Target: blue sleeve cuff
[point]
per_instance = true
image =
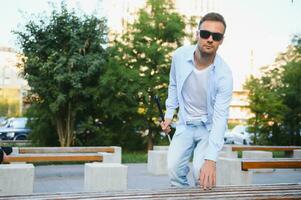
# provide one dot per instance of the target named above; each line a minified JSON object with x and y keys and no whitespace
{"x":169,"y":114}
{"x":212,"y":153}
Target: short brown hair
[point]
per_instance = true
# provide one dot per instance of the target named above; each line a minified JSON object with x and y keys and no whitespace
{"x":213,"y":17}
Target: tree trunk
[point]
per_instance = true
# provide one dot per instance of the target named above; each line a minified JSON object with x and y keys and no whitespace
{"x":65,"y":127}
{"x":150,"y":136}
{"x":256,"y":129}
{"x":150,"y":142}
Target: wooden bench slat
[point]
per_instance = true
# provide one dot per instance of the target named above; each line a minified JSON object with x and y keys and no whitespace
{"x":264,"y":148}
{"x":53,"y":157}
{"x":289,"y":191}
{"x":24,"y":150}
{"x":272,"y":163}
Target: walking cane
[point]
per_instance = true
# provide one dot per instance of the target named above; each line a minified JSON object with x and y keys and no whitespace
{"x":157,"y":100}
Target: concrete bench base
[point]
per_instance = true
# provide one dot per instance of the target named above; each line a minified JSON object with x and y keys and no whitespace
{"x":297,"y":153}
{"x":157,"y":162}
{"x":258,"y":155}
{"x":112,"y":157}
{"x":228,"y":172}
{"x":161,"y":148}
{"x":16,"y":179}
{"x":105,"y":177}
{"x":227,"y":154}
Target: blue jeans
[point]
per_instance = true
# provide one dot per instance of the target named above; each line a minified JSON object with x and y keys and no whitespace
{"x":188,"y":139}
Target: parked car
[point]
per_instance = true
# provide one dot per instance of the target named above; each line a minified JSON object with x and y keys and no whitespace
{"x":238,"y":135}
{"x":229,"y":138}
{"x":14,"y":129}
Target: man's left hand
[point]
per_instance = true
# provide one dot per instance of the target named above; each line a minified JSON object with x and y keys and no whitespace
{"x":207,"y":177}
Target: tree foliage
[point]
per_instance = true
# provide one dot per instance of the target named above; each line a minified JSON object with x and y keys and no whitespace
{"x":139,"y":68}
{"x":275,"y":100}
{"x":64,"y":59}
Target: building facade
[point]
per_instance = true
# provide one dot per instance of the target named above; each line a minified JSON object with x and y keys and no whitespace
{"x":12,"y":86}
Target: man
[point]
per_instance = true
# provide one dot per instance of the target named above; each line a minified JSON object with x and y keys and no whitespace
{"x":201,"y":87}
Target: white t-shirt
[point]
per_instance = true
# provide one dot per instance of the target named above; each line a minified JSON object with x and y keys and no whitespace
{"x":195,"y":93}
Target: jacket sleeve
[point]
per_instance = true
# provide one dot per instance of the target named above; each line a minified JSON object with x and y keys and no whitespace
{"x":172,"y":99}
{"x":220,"y":116}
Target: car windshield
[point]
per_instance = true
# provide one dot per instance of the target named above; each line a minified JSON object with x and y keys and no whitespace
{"x":239,"y":129}
{"x":16,"y":123}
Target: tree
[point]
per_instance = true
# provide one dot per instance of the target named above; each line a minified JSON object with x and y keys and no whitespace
{"x":291,"y":89}
{"x":275,"y":99}
{"x":266,"y":104}
{"x":64,"y":59}
{"x":141,"y":61}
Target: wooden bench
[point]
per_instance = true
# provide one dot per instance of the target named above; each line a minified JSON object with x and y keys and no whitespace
{"x":62,"y":157}
{"x":66,"y":154}
{"x":288,"y":150}
{"x":235,"y":171}
{"x":278,"y":163}
{"x":279,"y":191}
{"x":263,"y":148}
{"x":32,"y":150}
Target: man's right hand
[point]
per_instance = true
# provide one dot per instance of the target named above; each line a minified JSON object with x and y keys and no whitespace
{"x":165,"y":125}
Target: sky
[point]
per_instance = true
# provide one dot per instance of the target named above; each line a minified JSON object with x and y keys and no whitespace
{"x":257,"y":30}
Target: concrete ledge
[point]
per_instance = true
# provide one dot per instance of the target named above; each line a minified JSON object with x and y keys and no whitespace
{"x":227,"y":148}
{"x":157,"y":162}
{"x":112,"y":157}
{"x":258,"y":155}
{"x":228,"y":172}
{"x":16,"y":179}
{"x":227,"y":154}
{"x":161,"y":148}
{"x":117,"y":154}
{"x":297,"y":153}
{"x":105,"y":177}
{"x":15,"y":151}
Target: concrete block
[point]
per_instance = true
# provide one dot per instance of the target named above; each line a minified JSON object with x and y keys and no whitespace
{"x":297,"y":153}
{"x":228,"y":154}
{"x":112,"y":157}
{"x":227,"y":148}
{"x":15,"y":151}
{"x":16,"y":179}
{"x":157,"y":162}
{"x":117,"y":154}
{"x":105,"y":177}
{"x":228,"y":172}
{"x":258,"y":155}
{"x":161,"y":148}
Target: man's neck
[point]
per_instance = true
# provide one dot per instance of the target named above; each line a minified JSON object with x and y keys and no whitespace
{"x":203,"y":60}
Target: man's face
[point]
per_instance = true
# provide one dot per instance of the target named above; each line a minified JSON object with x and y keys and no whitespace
{"x":210,"y":36}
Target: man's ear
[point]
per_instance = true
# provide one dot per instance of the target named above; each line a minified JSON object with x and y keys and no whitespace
{"x":197,"y":35}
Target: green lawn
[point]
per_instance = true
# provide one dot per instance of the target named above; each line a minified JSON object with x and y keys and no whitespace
{"x":134,"y":157}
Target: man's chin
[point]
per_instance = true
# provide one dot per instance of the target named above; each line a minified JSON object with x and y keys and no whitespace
{"x":208,"y":53}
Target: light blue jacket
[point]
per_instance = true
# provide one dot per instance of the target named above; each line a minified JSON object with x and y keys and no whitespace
{"x":219,"y":94}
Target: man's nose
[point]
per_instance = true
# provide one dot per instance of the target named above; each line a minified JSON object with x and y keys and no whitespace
{"x":210,"y":39}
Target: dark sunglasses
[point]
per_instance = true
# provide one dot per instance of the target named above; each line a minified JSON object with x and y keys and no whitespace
{"x":215,"y":36}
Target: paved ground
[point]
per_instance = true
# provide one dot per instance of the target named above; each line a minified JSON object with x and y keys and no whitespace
{"x":69,"y":178}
